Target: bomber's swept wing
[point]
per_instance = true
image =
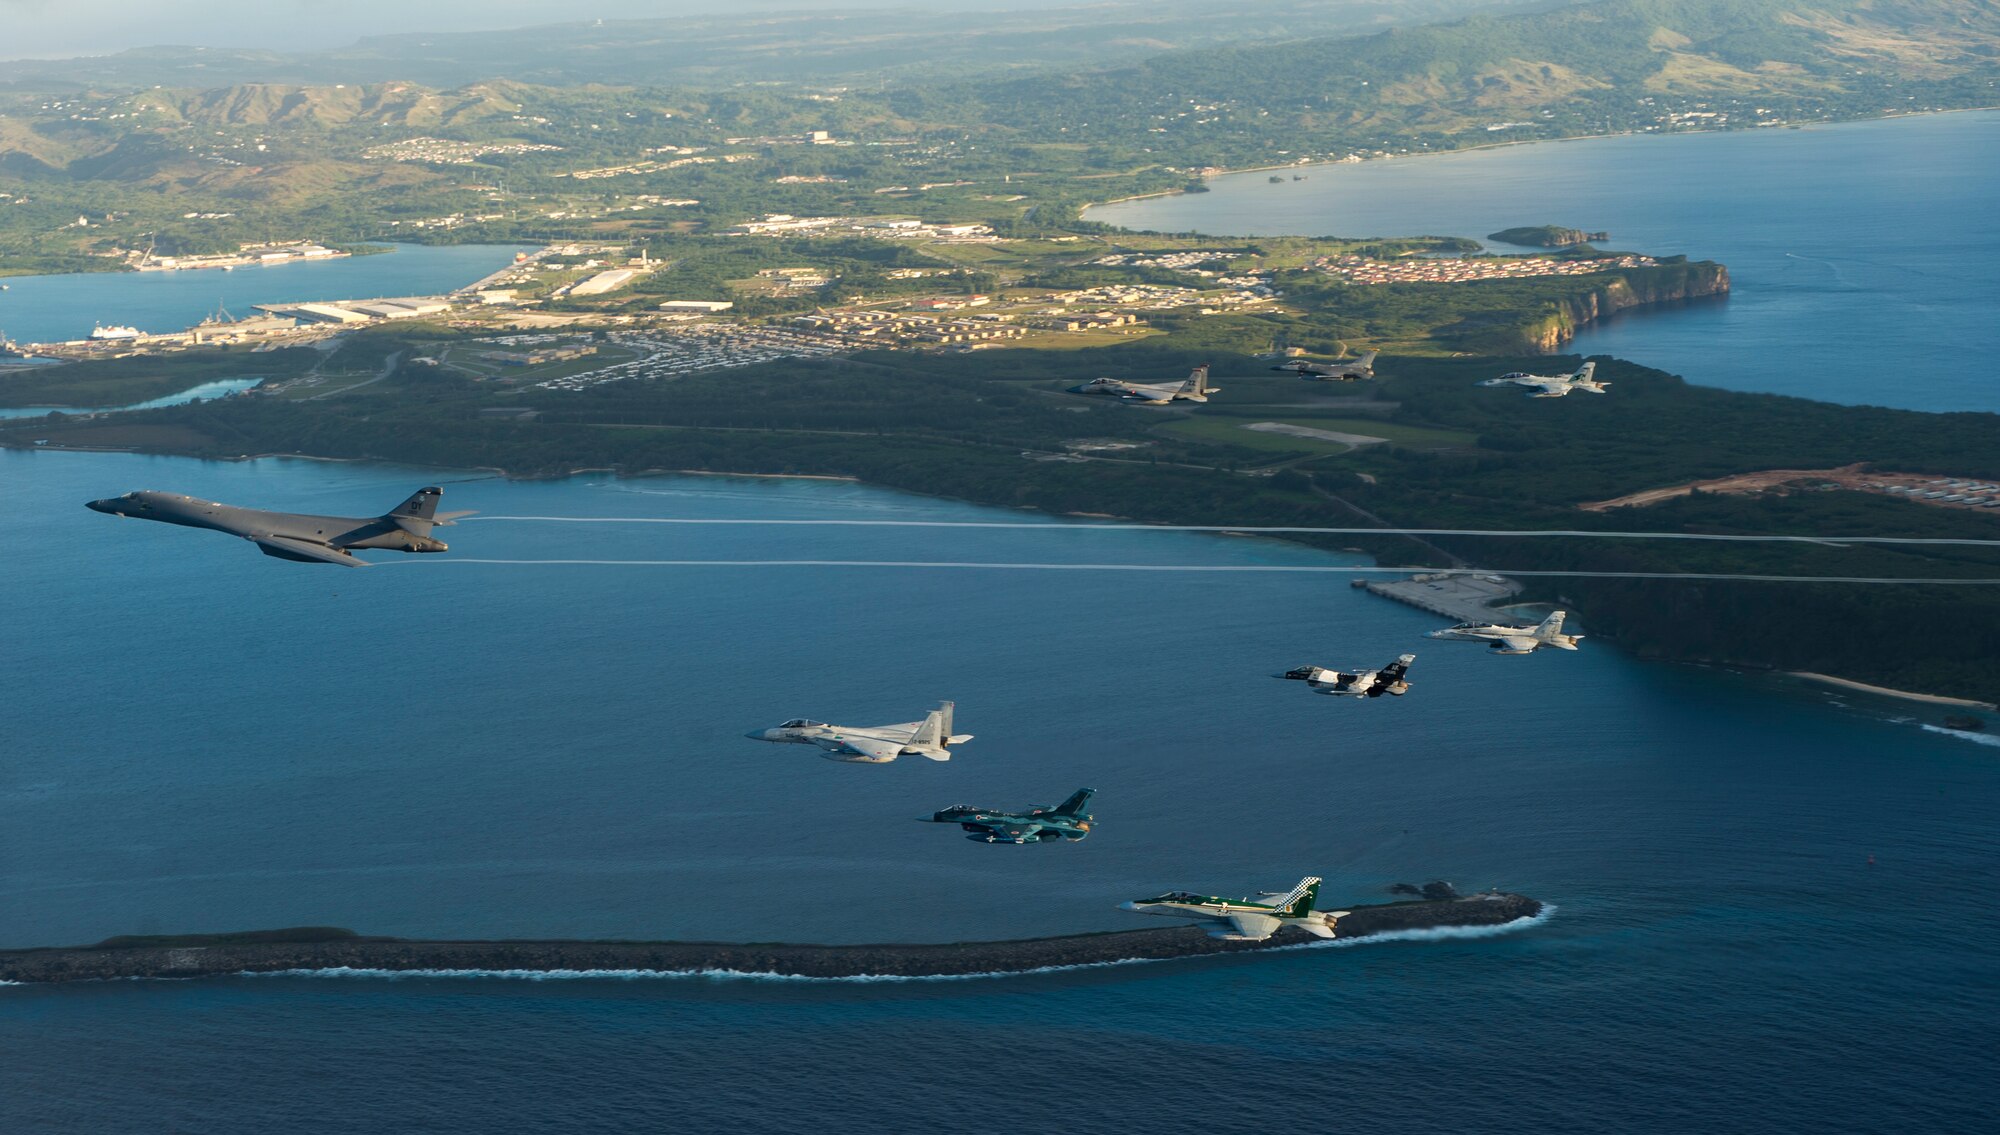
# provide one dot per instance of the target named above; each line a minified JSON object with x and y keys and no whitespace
{"x":872,"y":747}
{"x":302,"y":551}
{"x":1248,"y":925}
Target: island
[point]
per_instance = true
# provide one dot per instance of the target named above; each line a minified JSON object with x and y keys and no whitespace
{"x":1546,"y":236}
{"x":329,"y":948}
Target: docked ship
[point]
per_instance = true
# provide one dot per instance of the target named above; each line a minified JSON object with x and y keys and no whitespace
{"x":102,"y":332}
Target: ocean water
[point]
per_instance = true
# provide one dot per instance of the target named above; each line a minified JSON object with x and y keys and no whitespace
{"x":48,"y":309}
{"x":1865,"y":257}
{"x":1773,"y":903}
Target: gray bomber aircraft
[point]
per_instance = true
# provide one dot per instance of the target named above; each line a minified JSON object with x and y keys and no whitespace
{"x":1040,"y":824}
{"x":295,"y":535}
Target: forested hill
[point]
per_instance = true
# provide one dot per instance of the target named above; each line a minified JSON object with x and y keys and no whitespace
{"x":1622,"y":64}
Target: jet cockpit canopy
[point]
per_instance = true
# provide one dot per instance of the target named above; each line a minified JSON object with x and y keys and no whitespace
{"x":801,"y":723}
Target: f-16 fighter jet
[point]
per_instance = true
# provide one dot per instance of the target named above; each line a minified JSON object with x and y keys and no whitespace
{"x":1553,"y":385}
{"x":294,"y":535}
{"x":1194,"y":388}
{"x":1363,"y":367}
{"x":1366,"y":684}
{"x":1507,"y":639}
{"x":1040,"y":824}
{"x":877,"y":744}
{"x":1246,"y":920}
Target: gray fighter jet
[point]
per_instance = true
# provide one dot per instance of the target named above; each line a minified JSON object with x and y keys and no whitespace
{"x":1363,"y":367}
{"x":297,"y":536}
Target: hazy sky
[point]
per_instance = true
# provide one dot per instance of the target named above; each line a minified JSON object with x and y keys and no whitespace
{"x":57,"y":29}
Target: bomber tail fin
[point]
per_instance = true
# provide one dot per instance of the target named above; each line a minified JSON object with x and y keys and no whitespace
{"x":1078,"y":801}
{"x":417,"y":514}
{"x":1299,"y":902}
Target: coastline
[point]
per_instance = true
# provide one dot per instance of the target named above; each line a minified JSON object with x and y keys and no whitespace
{"x":1084,"y":212}
{"x":1884,"y":691}
{"x":325,"y":949}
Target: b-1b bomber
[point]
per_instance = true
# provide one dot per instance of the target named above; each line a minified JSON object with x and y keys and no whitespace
{"x":297,"y":536}
{"x":1389,"y":679}
{"x":1039,"y":824}
{"x":875,"y":744}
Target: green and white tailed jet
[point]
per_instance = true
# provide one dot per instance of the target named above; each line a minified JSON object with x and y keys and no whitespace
{"x":1246,"y":920}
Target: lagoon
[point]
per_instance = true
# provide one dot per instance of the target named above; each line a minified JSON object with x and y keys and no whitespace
{"x":47,"y":309}
{"x":1865,"y":256}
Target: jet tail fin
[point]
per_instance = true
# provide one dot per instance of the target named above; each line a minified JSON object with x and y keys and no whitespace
{"x":1366,"y":362}
{"x":1299,"y":902}
{"x":417,"y":514}
{"x":1584,"y":372}
{"x":1551,"y":626}
{"x":935,"y":732}
{"x":1078,"y":801}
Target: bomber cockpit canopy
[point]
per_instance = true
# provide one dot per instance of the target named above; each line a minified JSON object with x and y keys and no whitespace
{"x":801,"y":723}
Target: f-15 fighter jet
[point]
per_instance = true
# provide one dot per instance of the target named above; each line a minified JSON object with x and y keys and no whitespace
{"x":1040,"y":824}
{"x":876,"y":744}
{"x":1194,"y":388}
{"x":1247,"y":920}
{"x":1553,"y":385}
{"x":1366,"y":684}
{"x":1512,"y":639}
{"x":294,"y":535}
{"x":1363,"y":367}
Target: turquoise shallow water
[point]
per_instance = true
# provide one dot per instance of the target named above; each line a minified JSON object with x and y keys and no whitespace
{"x":1865,"y":256}
{"x":204,"y":738}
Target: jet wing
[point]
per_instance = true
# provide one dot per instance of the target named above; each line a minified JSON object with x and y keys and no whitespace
{"x":302,"y":551}
{"x":1254,"y":927}
{"x":1519,"y":645}
{"x":874,"y":748}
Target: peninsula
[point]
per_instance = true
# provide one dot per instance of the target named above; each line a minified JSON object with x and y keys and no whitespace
{"x":1546,"y":236}
{"x":326,"y":948}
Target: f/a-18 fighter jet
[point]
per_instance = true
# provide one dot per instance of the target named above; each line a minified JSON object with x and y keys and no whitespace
{"x":877,"y":744}
{"x":1040,"y":824}
{"x":1507,"y":638}
{"x":1366,"y":684}
{"x":296,"y":535}
{"x":1553,"y":385}
{"x":1363,"y":367}
{"x":1194,"y":388}
{"x":1246,"y":920}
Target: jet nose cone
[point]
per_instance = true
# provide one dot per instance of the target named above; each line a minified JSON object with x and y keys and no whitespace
{"x":105,"y":505}
{"x":761,"y":735}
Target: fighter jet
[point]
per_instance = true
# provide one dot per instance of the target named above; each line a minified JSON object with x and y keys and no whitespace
{"x":1040,"y":824}
{"x":1194,"y":388}
{"x":1552,"y":385}
{"x":1366,"y":684}
{"x":876,"y":744}
{"x":1246,"y":920}
{"x":295,"y":535}
{"x":1363,"y":367}
{"x":1512,"y":639}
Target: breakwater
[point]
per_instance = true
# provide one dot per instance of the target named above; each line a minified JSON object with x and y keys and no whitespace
{"x":327,"y":949}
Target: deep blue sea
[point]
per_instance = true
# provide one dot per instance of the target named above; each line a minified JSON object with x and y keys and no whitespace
{"x":47,"y":309}
{"x":1865,"y":256}
{"x":202,"y":738}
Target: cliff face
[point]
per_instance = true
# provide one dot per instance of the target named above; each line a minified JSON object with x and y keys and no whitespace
{"x":1630,"y":288}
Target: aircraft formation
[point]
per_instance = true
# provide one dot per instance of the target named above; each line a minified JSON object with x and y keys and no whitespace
{"x":310,"y":538}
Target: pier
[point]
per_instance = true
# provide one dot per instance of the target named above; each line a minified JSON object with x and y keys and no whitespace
{"x":1460,"y":597}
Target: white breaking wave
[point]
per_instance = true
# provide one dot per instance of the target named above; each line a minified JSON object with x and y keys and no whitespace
{"x":1435,"y":934}
{"x":1335,"y":569}
{"x":1965,"y":735}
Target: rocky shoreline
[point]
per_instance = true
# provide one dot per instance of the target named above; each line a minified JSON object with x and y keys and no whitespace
{"x":327,"y":949}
